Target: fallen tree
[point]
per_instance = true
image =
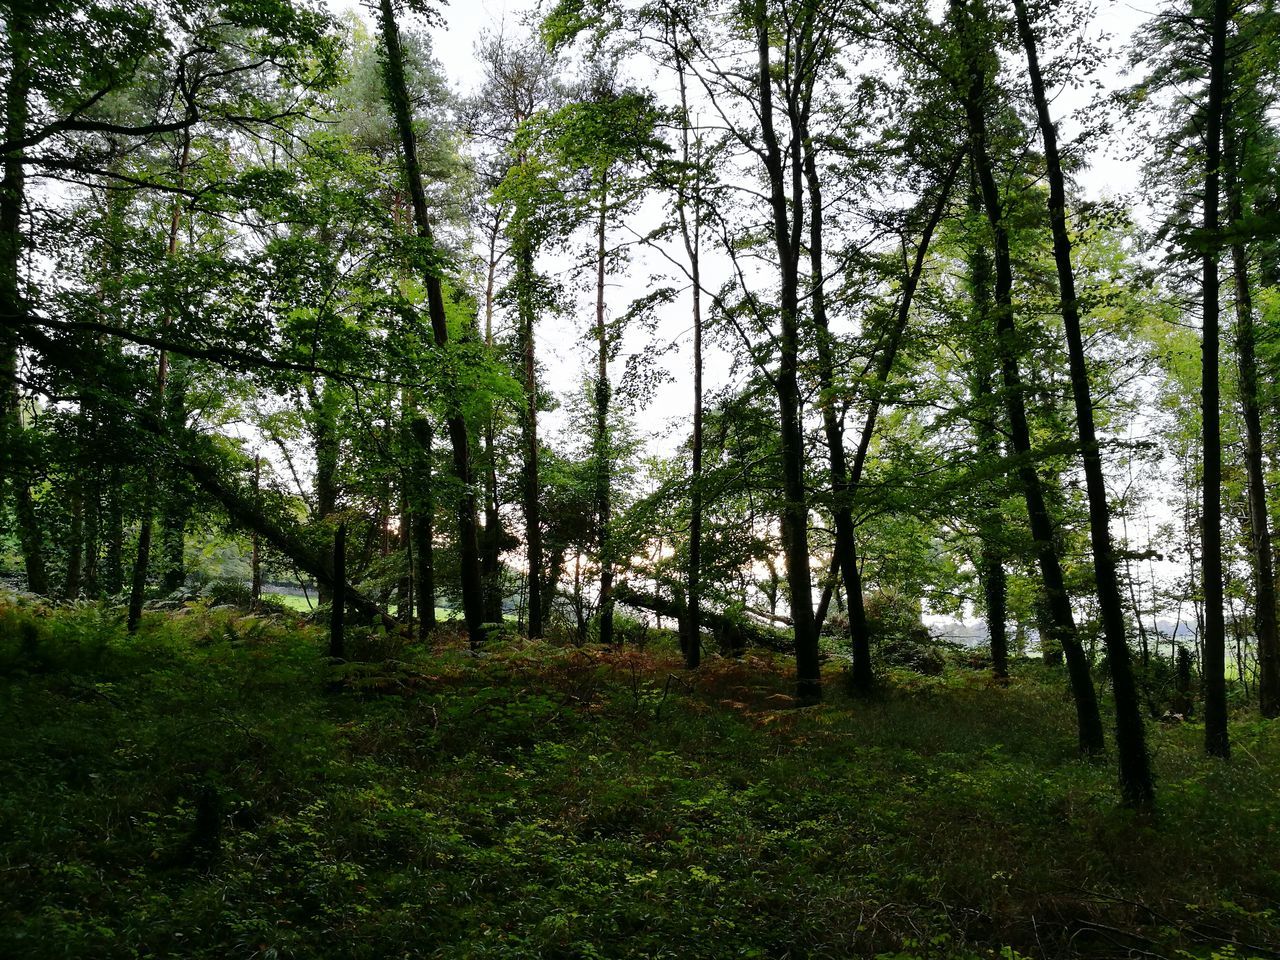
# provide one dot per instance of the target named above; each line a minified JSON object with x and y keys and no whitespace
{"x":192,"y":451}
{"x":241,"y":508}
{"x":731,"y":632}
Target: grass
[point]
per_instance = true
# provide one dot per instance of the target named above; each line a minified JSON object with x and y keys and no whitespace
{"x":215,"y":788}
{"x":307,"y":605}
{"x":291,"y":600}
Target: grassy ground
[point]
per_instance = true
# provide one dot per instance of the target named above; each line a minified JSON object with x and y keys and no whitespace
{"x":307,"y":604}
{"x":214,"y":788}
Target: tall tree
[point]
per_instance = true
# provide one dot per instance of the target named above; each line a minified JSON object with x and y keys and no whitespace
{"x":1245,"y":135}
{"x":974,"y":76}
{"x":1135,"y":771}
{"x":1216,"y":739}
{"x":17,"y":465}
{"x":786,"y":203}
{"x":468,"y":542}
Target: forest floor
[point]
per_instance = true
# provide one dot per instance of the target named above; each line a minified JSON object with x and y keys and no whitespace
{"x":215,"y":787}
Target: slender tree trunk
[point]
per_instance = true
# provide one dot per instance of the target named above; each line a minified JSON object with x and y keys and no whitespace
{"x":75,"y":541}
{"x":92,"y":529}
{"x":1259,"y":517}
{"x":423,"y":524}
{"x":468,"y":542}
{"x":691,"y":234}
{"x":404,"y":542}
{"x":337,"y":612}
{"x":991,"y":562}
{"x":603,"y":450}
{"x":843,"y":485}
{"x":828,"y":592}
{"x":1216,"y":739}
{"x":255,"y":568}
{"x":861,"y":675}
{"x":177,"y":500}
{"x":1042,"y":526}
{"x":490,"y":562}
{"x":995,"y":595}
{"x":532,"y":486}
{"x":113,"y":570}
{"x":787,"y":229}
{"x":17,"y":466}
{"x":1135,"y":767}
{"x":142,"y":560}
{"x":325,"y":436}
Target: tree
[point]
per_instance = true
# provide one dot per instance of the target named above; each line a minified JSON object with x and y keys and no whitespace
{"x":398,"y":97}
{"x":973,"y":78}
{"x":1135,"y":773}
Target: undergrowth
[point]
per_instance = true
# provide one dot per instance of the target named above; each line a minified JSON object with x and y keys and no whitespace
{"x":215,"y":788}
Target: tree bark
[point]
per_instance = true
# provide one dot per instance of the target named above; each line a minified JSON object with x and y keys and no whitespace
{"x":468,"y":542}
{"x":691,"y":234}
{"x":1216,"y":740}
{"x":17,"y":467}
{"x":423,"y":525}
{"x":75,"y":538}
{"x":1135,"y":767}
{"x":991,"y":570}
{"x":532,"y":486}
{"x":603,"y":446}
{"x":337,"y":612}
{"x":142,"y":559}
{"x":1251,"y":411}
{"x":113,"y":568}
{"x":177,"y":505}
{"x":490,"y":561}
{"x":255,"y":564}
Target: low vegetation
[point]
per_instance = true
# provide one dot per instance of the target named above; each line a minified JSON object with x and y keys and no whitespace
{"x":215,"y":787}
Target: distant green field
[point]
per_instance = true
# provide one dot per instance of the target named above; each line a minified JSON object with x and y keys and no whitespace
{"x":291,"y":601}
{"x":305,"y":605}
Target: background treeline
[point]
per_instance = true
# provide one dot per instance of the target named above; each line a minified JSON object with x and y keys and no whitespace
{"x":266,"y":285}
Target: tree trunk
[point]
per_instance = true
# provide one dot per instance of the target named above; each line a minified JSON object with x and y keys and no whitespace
{"x":142,"y":560}
{"x":603,"y":446}
{"x":423,"y":525}
{"x":1135,"y":767}
{"x":92,"y":526}
{"x":529,"y":424}
{"x":1259,"y":518}
{"x":113,"y":569}
{"x":1042,"y":526}
{"x":1216,"y":739}
{"x":991,"y":571}
{"x":75,"y":540}
{"x":177,"y":506}
{"x":843,"y":485}
{"x":787,"y":228}
{"x":490,"y":561}
{"x":692,"y":237}
{"x":337,"y":612}
{"x":325,"y":436}
{"x":17,"y":467}
{"x":255,"y":566}
{"x":468,"y":542}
